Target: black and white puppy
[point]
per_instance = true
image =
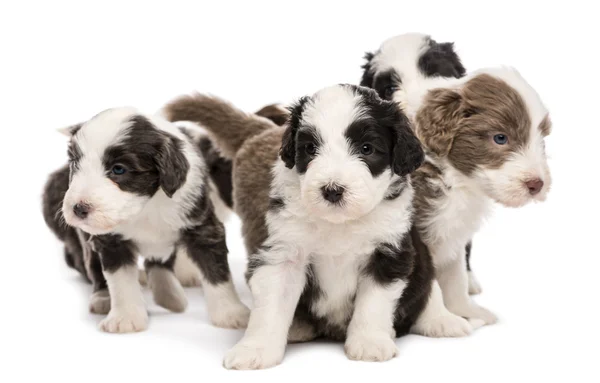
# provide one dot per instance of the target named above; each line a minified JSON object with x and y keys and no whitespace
{"x":339,"y":259}
{"x":386,"y":70}
{"x":138,"y":186}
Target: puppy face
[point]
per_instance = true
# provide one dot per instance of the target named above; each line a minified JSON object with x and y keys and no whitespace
{"x":118,"y":161}
{"x":348,"y":147}
{"x":409,"y":57}
{"x":491,"y":128}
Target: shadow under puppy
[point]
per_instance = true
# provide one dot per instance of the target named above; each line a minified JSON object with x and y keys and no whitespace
{"x":137,"y":185}
{"x":326,"y":207}
{"x":484,"y":140}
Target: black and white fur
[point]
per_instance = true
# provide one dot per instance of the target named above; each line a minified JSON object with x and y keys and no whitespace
{"x":138,"y":186}
{"x":341,"y":260}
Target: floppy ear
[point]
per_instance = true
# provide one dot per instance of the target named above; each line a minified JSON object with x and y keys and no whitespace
{"x":288,"y":142}
{"x":172,"y":165}
{"x":438,"y":119}
{"x":70,"y":130}
{"x":367,"y":78}
{"x":408,"y":154}
{"x":441,"y":60}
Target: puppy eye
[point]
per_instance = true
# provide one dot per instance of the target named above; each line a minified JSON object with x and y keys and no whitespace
{"x":366,"y":149}
{"x":389,"y":91}
{"x":310,"y":149}
{"x":118,"y":170}
{"x":501,"y":139}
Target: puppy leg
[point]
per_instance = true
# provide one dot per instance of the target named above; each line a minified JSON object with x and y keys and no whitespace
{"x":186,"y":270}
{"x":436,"y":321}
{"x":276,"y":289}
{"x":301,"y":331}
{"x":100,"y":299}
{"x":166,"y":289}
{"x":205,"y":245}
{"x":371,"y":331}
{"x":474,"y":286}
{"x":454,"y":282}
{"x":127,"y":308}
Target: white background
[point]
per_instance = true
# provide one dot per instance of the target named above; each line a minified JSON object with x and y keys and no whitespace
{"x":62,"y":63}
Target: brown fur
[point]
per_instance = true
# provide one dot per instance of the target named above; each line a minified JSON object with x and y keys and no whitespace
{"x":274,"y":112}
{"x":213,"y":112}
{"x":461,"y":123}
{"x":546,"y":126}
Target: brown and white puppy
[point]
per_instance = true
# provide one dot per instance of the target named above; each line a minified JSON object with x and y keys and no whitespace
{"x":137,"y":186}
{"x":484,"y":139}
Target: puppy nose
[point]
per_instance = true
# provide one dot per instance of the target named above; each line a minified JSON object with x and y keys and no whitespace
{"x":332,"y":193}
{"x":81,"y":210}
{"x":534,"y":186}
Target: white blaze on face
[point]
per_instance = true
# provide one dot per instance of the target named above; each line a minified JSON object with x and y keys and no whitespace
{"x":332,"y":111}
{"x":108,"y":205}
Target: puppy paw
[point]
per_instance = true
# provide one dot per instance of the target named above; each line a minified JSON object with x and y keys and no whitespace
{"x":448,"y":325}
{"x":474,"y":286}
{"x":250,"y":356}
{"x":476,"y":314}
{"x":189,"y":278}
{"x":123,"y":322}
{"x":173,"y":299}
{"x":230,"y":315}
{"x":100,"y":302}
{"x":301,"y":331}
{"x":370,"y":347}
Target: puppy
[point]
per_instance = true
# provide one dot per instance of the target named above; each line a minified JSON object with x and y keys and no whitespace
{"x":484,"y":139}
{"x":326,"y":206}
{"x":137,"y":185}
{"x":432,"y":59}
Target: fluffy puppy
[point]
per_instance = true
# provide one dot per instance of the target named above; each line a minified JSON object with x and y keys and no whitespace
{"x":431,"y":59}
{"x":484,"y":139}
{"x":326,"y":206}
{"x":137,"y":186}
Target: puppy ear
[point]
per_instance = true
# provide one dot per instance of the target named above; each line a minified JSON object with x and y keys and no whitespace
{"x":274,"y":112}
{"x":172,"y":165}
{"x":367,"y":77}
{"x":70,"y":130}
{"x":408,"y":154}
{"x":438,"y":119}
{"x":441,"y":60}
{"x":288,"y":142}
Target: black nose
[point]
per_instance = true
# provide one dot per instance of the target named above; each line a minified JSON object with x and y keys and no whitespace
{"x":81,"y":210}
{"x":332,"y":193}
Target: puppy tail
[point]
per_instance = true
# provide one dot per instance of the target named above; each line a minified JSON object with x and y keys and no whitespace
{"x":229,"y":126}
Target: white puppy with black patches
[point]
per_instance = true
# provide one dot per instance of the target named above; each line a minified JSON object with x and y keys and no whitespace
{"x":138,"y":186}
{"x":484,"y":139}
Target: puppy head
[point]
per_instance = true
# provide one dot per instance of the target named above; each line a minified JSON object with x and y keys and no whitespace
{"x":118,"y":161}
{"x":409,"y":56}
{"x":348,"y":147}
{"x":491,"y":128}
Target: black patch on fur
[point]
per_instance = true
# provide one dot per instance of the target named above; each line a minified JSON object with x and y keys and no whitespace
{"x":169,"y":264}
{"x":256,"y":261}
{"x":206,"y":246}
{"x":152,"y":159}
{"x":114,"y":251}
{"x":367,"y":77}
{"x":220,"y":170}
{"x":306,"y":136}
{"x":288,"y":142}
{"x":468,"y":254}
{"x":385,"y":82}
{"x":370,"y":132}
{"x":74,"y":154}
{"x":276,"y":204}
{"x":441,"y":60}
{"x":391,"y":262}
{"x":396,"y":189}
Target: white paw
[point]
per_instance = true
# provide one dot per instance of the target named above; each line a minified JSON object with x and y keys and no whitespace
{"x":100,"y":302}
{"x":475,"y":312}
{"x":230,"y":315}
{"x":252,"y":356}
{"x":123,"y":322}
{"x":370,"y":347}
{"x":474,"y":286}
{"x":444,"y":326}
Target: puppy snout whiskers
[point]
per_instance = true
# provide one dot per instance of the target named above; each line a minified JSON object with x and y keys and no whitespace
{"x":333,"y":193}
{"x":82,"y":210}
{"x":534,"y":185}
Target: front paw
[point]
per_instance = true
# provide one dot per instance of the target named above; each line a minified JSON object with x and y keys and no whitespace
{"x":100,"y":302}
{"x":230,"y":315}
{"x":475,"y":313}
{"x":253,"y":356}
{"x":448,"y":325}
{"x":119,"y":321}
{"x":371,"y":347}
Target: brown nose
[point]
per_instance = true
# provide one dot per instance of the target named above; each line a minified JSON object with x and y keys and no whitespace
{"x":81,"y":210}
{"x":534,"y":186}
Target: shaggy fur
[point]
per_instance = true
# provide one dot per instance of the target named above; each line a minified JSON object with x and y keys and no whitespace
{"x":483,"y":135}
{"x":333,"y":254}
{"x":137,"y":185}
